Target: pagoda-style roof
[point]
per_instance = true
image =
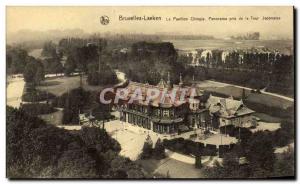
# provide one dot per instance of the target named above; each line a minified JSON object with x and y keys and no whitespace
{"x":167,"y":98}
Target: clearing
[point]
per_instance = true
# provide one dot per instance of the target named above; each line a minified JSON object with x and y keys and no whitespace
{"x":170,"y":167}
{"x":265,"y":98}
{"x":14,"y":92}
{"x":60,"y":85}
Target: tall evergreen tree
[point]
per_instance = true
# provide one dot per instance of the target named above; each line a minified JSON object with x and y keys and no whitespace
{"x":147,"y":148}
{"x":159,"y":150}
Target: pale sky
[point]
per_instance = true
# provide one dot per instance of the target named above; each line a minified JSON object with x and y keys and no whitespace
{"x":88,"y":19}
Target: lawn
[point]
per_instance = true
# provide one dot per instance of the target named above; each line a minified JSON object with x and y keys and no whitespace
{"x":37,"y":53}
{"x":61,"y":85}
{"x":171,"y":167}
{"x":54,"y":118}
{"x":265,"y":99}
{"x":268,"y":100}
{"x":262,"y":126}
{"x":228,"y":91}
{"x":267,"y":118}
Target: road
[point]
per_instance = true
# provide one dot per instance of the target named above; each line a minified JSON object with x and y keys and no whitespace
{"x":264,"y":92}
{"x":14,"y":92}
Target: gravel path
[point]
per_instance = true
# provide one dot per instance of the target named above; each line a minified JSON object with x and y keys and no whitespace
{"x":14,"y":92}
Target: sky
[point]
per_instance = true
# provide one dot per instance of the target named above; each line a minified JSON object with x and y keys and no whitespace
{"x":88,"y":19}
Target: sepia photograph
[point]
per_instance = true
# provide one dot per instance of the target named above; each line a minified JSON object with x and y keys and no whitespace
{"x":150,"y":92}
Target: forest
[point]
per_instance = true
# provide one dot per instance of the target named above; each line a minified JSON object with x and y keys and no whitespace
{"x":39,"y":150}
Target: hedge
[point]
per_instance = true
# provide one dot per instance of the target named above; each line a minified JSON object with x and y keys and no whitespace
{"x":36,"y":96}
{"x":189,"y":147}
{"x":37,"y":109}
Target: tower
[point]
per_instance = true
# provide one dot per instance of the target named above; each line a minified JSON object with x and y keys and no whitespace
{"x":180,"y":81}
{"x":169,"y":81}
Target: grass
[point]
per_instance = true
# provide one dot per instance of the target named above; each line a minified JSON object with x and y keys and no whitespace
{"x":265,"y":99}
{"x":268,"y":100}
{"x":54,"y":118}
{"x":37,"y":53}
{"x":61,"y":85}
{"x":229,"y":91}
{"x":267,"y":118}
{"x":174,"y":168}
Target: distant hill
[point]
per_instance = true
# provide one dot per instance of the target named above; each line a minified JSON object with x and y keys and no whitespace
{"x":41,"y":36}
{"x":248,"y":36}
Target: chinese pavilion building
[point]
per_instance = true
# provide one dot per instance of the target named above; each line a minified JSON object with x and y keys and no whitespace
{"x":196,"y":111}
{"x":167,"y":116}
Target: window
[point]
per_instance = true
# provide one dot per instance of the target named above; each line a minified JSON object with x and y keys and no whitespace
{"x":158,"y":112}
{"x":166,"y":112}
{"x":171,"y":112}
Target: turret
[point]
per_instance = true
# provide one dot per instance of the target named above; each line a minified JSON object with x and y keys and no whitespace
{"x":180,"y":81}
{"x":169,"y":81}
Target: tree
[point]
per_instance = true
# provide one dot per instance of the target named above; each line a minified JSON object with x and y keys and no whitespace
{"x":122,"y":167}
{"x":147,"y":148}
{"x":72,"y":102}
{"x":32,"y":145}
{"x":76,"y":163}
{"x":29,"y":73}
{"x":244,"y":94}
{"x":39,"y":75}
{"x":86,"y":55}
{"x":53,"y":65}
{"x":36,"y":149}
{"x":99,"y":139}
{"x":56,"y":67}
{"x":16,"y":59}
{"x":70,"y":65}
{"x":230,"y":168}
{"x":259,"y":151}
{"x":34,"y":71}
{"x":285,"y":164}
{"x":198,"y":163}
{"x":103,"y":77}
{"x":49,"y":50}
{"x":159,"y":150}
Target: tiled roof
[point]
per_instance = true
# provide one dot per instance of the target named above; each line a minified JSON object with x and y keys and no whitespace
{"x":227,"y":107}
{"x":163,"y":99}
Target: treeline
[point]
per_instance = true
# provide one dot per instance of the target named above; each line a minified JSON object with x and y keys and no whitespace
{"x":33,"y":69}
{"x":88,"y":56}
{"x":69,"y":56}
{"x":287,"y":113}
{"x":148,"y":62}
{"x":249,"y":68}
{"x":185,"y":37}
{"x":248,"y":36}
{"x":39,"y":150}
{"x":254,"y":158}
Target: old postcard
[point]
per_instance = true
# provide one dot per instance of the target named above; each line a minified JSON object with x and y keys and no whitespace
{"x":150,"y":92}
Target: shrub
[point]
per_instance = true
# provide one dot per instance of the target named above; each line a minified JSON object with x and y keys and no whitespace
{"x":37,"y":109}
{"x":198,"y":163}
{"x":33,"y":95}
{"x":147,"y":148}
{"x":189,"y":147}
{"x":159,"y":150}
{"x":273,"y":111}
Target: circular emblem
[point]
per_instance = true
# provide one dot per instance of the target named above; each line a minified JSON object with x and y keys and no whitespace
{"x":104,"y":20}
